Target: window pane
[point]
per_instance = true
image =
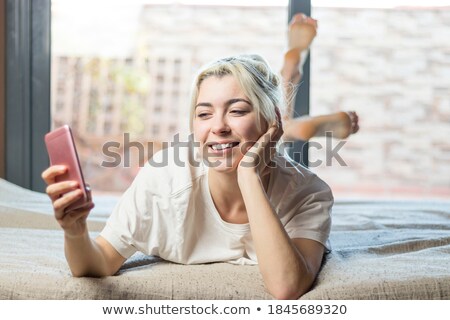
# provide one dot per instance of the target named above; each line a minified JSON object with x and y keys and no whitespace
{"x":125,"y":67}
{"x":392,"y":66}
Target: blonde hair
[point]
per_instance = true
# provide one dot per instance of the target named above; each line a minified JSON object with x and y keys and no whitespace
{"x":258,"y":82}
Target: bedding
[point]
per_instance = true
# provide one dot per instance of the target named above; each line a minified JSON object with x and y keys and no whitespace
{"x":380,"y":250}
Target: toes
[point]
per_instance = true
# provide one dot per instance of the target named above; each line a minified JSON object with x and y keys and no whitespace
{"x":312,"y":21}
{"x":353,"y":116}
{"x":299,"y":17}
{"x":302,"y":18}
{"x":355,"y":125}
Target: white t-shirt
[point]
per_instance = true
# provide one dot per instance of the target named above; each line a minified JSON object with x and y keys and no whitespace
{"x":168,"y":211}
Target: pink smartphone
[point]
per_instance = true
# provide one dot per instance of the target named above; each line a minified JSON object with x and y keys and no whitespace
{"x":62,"y":151}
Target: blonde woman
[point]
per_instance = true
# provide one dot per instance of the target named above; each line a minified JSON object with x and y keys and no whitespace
{"x":227,"y":196}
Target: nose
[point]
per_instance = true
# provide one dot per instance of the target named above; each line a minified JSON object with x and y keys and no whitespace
{"x":220,"y":125}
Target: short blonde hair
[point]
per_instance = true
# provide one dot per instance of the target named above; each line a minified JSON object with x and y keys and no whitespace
{"x":258,"y":82}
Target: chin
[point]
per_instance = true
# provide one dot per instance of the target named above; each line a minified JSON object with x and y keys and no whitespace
{"x":222,"y":165}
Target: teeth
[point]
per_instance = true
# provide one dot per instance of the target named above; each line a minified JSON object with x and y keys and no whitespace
{"x":222,"y":146}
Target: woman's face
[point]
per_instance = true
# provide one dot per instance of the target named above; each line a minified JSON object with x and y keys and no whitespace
{"x":224,"y":122}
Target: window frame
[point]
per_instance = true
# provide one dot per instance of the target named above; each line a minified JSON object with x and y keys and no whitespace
{"x":299,"y":149}
{"x":27,"y":117}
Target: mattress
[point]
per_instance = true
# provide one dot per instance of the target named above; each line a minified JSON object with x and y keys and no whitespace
{"x":380,"y":250}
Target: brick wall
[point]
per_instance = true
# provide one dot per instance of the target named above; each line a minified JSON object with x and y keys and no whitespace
{"x":393,"y":68}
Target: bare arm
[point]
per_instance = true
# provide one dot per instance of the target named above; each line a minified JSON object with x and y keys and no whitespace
{"x":86,"y":257}
{"x":288,"y":266}
{"x":93,"y":258}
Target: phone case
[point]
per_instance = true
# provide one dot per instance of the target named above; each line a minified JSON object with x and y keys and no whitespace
{"x":62,"y":151}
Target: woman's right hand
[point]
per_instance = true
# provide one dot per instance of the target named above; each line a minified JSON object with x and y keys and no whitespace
{"x":62,"y":194}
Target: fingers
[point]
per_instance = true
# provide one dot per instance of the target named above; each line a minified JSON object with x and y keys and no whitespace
{"x":278,"y":132}
{"x":57,"y":189}
{"x":52,"y":172}
{"x":63,"y":194}
{"x":270,"y":138}
{"x":62,"y":203}
{"x":70,"y":218}
{"x":274,"y":132}
{"x":88,"y":206}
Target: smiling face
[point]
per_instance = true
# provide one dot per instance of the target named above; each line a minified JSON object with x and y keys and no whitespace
{"x":224,"y":122}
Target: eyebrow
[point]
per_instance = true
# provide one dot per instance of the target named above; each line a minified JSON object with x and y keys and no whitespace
{"x":228,"y":103}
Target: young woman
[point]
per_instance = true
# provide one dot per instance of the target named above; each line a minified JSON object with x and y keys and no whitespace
{"x":227,"y":196}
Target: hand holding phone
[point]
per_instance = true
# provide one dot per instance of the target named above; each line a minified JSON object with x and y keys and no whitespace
{"x":62,"y":151}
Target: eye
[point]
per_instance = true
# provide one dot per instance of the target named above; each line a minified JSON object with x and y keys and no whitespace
{"x":239,"y":112}
{"x":202,"y":115}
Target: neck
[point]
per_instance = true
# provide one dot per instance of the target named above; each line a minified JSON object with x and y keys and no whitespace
{"x":227,"y":196}
{"x":225,"y":189}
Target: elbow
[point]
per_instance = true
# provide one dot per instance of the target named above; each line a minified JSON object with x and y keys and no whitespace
{"x":291,"y":290}
{"x":90,"y":275}
{"x":77,"y":274}
{"x":286,"y":293}
{"x":86,"y":273}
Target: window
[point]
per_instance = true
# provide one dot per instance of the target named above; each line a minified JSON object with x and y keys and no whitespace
{"x":134,"y":73}
{"x":387,"y":60}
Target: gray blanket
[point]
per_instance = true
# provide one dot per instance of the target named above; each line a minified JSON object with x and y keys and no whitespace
{"x":380,"y":250}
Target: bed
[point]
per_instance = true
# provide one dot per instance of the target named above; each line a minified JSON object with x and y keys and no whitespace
{"x":380,"y":250}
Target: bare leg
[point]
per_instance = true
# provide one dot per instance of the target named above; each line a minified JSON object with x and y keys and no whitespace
{"x":302,"y":31}
{"x":340,"y":125}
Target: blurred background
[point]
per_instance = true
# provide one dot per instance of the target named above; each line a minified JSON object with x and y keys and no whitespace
{"x":126,"y":67}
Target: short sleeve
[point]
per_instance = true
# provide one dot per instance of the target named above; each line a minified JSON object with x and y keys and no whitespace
{"x":310,"y":213}
{"x":129,"y":225}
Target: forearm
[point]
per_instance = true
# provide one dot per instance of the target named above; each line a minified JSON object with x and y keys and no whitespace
{"x":84,"y":256}
{"x":283,"y":268}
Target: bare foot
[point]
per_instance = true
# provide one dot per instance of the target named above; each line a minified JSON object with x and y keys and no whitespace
{"x":302,"y":31}
{"x":340,"y":125}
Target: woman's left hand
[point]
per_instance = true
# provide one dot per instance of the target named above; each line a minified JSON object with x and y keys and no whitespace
{"x":258,"y":158}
